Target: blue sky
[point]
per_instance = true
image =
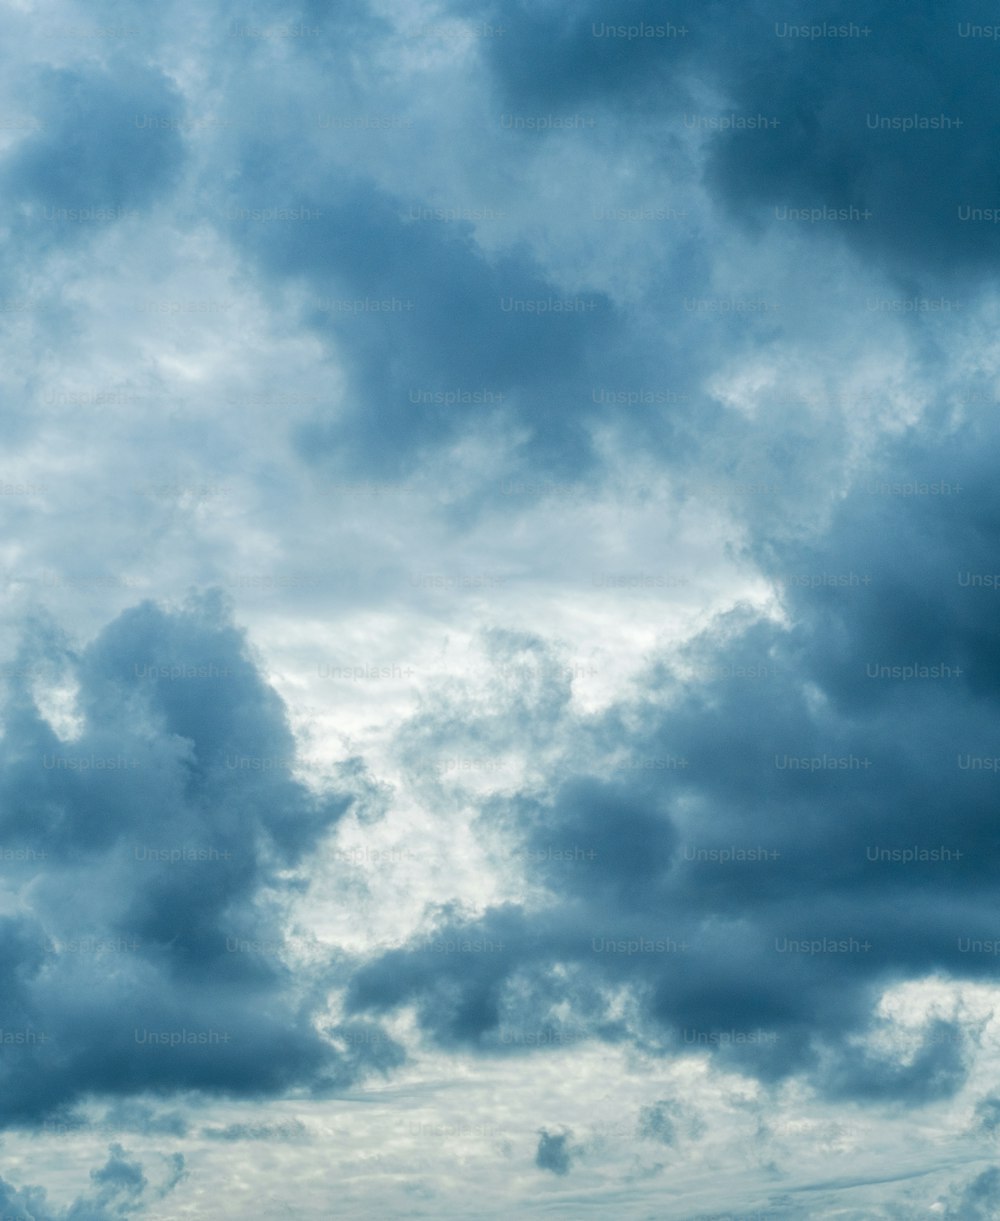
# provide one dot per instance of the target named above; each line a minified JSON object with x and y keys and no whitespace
{"x":498,"y":641}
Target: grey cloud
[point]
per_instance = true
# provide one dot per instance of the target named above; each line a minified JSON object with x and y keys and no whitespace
{"x":554,"y":1152}
{"x":156,"y":865}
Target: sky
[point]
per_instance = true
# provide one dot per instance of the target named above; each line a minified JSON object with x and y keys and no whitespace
{"x":499,"y":650}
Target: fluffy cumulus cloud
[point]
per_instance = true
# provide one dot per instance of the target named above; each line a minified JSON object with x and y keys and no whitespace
{"x":737,"y":846}
{"x":144,"y":945}
{"x":499,"y":665}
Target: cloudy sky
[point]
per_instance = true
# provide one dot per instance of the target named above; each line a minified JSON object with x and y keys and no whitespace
{"x":499,"y":651}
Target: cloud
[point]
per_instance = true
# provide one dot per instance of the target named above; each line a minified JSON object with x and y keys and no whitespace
{"x":471,"y":335}
{"x":728,"y":853}
{"x":554,"y":1152}
{"x":937,"y":1070}
{"x":881,"y":124}
{"x":667,"y":1120}
{"x":564,"y":294}
{"x":979,"y":1199}
{"x":103,"y":148}
{"x":138,"y":1117}
{"x":155,"y":862}
{"x":988,"y":1114}
{"x":120,"y":1175}
{"x":292,"y":1130}
{"x":120,"y":1191}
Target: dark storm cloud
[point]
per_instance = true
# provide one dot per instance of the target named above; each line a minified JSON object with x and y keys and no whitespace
{"x":806,"y":822}
{"x":866,"y":98}
{"x":699,"y":892}
{"x":457,"y":973}
{"x":413,"y":310}
{"x":842,"y":143}
{"x":417,"y":310}
{"x":438,"y":333}
{"x":936,"y":1070}
{"x":152,"y":956}
{"x":550,"y":56}
{"x":922,"y":525}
